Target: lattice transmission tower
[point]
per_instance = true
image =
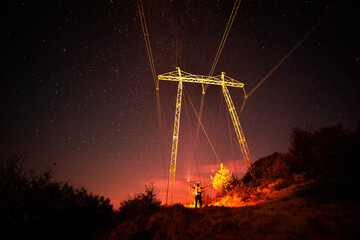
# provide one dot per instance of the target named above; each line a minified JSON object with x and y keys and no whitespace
{"x":221,"y":80}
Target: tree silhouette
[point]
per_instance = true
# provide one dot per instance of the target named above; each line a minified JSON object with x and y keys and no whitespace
{"x":32,"y":206}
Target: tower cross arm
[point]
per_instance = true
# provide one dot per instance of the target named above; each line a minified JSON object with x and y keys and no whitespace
{"x":192,"y":78}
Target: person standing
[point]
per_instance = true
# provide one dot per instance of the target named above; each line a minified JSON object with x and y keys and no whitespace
{"x":198,"y":191}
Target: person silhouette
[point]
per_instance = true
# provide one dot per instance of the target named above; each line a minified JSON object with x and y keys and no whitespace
{"x":198,"y":191}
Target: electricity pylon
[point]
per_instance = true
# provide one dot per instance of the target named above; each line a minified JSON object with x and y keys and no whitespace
{"x":221,"y":80}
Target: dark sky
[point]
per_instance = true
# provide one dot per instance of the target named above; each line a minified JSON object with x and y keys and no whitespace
{"x":77,"y":89}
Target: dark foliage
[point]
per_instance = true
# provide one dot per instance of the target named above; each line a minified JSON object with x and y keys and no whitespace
{"x":327,"y":156}
{"x":34,"y":207}
{"x":271,"y":167}
{"x":134,"y":215}
{"x":329,"y":148}
{"x":319,"y":167}
{"x":141,"y":206}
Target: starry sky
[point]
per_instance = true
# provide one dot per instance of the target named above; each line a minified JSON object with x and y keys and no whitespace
{"x":77,"y":89}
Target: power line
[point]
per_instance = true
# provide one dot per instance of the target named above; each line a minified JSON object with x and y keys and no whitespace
{"x":202,"y":126}
{"x":147,"y":40}
{"x":191,"y":137}
{"x":286,"y":56}
{"x":217,"y":56}
{"x":225,"y":35}
{"x":153,"y":71}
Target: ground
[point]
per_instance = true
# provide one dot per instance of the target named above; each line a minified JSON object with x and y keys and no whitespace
{"x":284,"y":214}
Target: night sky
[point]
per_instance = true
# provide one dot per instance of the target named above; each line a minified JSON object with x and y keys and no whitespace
{"x":77,"y":89}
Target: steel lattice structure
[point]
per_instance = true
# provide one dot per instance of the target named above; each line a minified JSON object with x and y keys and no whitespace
{"x":221,"y":80}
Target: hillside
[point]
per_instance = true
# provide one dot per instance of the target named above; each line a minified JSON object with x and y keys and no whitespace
{"x":309,"y":192}
{"x":284,"y":216}
{"x":306,"y":193}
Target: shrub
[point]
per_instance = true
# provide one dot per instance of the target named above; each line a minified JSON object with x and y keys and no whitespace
{"x":329,"y":150}
{"x":270,"y":167}
{"x":327,"y":156}
{"x":223,"y":179}
{"x":32,"y":206}
{"x":140,"y":206}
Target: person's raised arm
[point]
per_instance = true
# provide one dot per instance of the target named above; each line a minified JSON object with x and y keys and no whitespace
{"x":205,"y":186}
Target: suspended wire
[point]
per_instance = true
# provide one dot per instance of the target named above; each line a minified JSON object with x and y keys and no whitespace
{"x":200,"y":116}
{"x":230,"y":135}
{"x":242,"y":105}
{"x":221,"y":98}
{"x":161,"y":140}
{"x":191,"y":137}
{"x":147,"y":39}
{"x":217,"y":56}
{"x":286,"y":56}
{"x":156,"y":81}
{"x":231,"y":142}
{"x":186,"y":108}
{"x":207,"y":137}
{"x":226,"y":33}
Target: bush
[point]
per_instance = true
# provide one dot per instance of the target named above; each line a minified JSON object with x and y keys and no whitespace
{"x":134,"y":215}
{"x":140,"y":206}
{"x":271,"y":167}
{"x":34,"y":207}
{"x":223,"y":179}
{"x":327,"y":156}
{"x":329,"y":150}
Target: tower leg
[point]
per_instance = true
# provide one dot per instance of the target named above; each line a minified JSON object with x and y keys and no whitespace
{"x":175,"y":141}
{"x":238,"y":130}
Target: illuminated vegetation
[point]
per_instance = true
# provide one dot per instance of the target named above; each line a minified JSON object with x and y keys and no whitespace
{"x":306,"y":193}
{"x":223,"y":179}
{"x":319,"y":162}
